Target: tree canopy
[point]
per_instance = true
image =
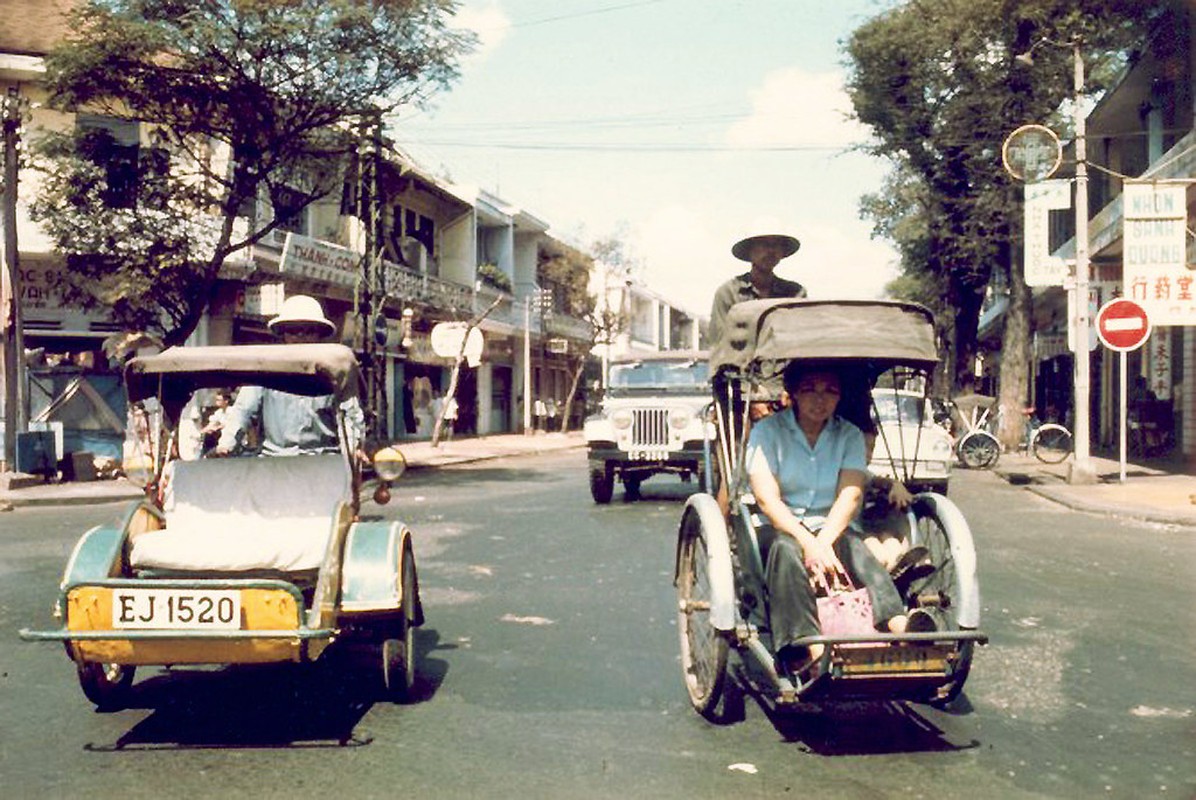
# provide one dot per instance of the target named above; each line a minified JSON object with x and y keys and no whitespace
{"x":241,"y":101}
{"x":940,"y":86}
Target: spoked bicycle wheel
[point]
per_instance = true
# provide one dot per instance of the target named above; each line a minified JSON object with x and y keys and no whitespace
{"x":1051,"y":443}
{"x":942,"y":591}
{"x":979,"y":450}
{"x":703,"y":649}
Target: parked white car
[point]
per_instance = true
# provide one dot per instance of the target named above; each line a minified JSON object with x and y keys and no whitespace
{"x":909,"y":445}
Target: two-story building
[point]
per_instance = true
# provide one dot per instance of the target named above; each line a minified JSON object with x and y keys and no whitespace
{"x":440,"y":253}
{"x":1140,"y":132}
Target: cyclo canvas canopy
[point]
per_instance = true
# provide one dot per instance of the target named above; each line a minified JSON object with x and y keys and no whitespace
{"x":306,"y":369}
{"x":883,"y":333}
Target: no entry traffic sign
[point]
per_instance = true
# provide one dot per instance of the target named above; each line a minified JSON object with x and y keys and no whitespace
{"x":1122,"y":325}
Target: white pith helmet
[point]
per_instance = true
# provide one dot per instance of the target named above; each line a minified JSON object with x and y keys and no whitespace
{"x":301,"y":310}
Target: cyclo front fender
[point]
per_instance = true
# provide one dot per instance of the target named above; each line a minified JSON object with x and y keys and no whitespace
{"x":702,"y":517}
{"x":963,"y":552}
{"x":371,"y":579}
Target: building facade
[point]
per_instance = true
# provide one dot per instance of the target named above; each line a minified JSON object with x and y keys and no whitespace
{"x":1141,"y":132}
{"x":439,"y":253}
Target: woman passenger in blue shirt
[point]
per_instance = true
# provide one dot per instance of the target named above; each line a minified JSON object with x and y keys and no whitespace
{"x":808,"y":471}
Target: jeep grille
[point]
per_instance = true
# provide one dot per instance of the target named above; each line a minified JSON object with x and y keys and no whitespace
{"x":650,"y":427}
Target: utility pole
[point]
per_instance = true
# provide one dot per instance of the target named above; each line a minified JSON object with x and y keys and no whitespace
{"x":370,"y":298}
{"x":1082,"y":470}
{"x":527,"y":364}
{"x":10,"y":287}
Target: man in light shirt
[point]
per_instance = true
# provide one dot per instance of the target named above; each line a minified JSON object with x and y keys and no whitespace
{"x":292,"y":424}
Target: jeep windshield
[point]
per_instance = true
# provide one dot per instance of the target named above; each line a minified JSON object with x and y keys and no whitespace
{"x":655,"y":377}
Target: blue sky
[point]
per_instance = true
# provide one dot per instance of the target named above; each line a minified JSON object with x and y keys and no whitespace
{"x":682,"y":125}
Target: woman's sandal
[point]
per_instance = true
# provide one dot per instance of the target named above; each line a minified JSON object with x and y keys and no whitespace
{"x":913,"y":564}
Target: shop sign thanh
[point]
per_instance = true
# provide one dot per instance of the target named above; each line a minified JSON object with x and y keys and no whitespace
{"x":315,"y":260}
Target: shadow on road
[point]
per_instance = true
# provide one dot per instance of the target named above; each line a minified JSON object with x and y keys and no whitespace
{"x":266,"y":706}
{"x":877,"y":728}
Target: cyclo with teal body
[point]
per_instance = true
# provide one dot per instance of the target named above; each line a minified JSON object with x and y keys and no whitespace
{"x":718,"y":559}
{"x":243,"y":560}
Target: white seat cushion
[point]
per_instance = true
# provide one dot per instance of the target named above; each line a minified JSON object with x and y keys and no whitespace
{"x":237,"y":514}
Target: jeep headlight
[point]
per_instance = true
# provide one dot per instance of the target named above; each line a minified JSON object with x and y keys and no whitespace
{"x":941,"y":449}
{"x":621,"y":419}
{"x":679,"y":418}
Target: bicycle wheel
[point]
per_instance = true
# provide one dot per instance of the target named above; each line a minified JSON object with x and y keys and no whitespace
{"x":1051,"y":443}
{"x":947,"y":589}
{"x":979,"y":450}
{"x":703,"y":649}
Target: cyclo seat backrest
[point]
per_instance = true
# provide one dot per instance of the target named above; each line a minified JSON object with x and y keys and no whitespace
{"x":236,"y":514}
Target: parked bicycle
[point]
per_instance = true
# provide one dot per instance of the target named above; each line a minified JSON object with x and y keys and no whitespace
{"x":1049,"y":442}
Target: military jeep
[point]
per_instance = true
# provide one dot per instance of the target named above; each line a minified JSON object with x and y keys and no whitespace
{"x":651,"y":421}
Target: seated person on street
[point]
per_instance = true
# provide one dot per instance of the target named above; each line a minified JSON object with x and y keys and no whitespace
{"x":808,"y":469}
{"x":886,"y":499}
{"x":291,"y":424}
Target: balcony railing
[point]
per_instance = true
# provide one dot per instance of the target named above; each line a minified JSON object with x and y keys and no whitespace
{"x":411,"y":286}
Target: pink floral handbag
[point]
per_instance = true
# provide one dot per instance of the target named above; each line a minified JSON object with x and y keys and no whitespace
{"x":846,"y":612}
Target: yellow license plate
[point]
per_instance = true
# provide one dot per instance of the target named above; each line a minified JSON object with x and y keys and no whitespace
{"x":176,"y":609}
{"x":894,"y":660}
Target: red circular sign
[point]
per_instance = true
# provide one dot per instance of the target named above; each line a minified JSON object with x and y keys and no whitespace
{"x":1122,"y":324}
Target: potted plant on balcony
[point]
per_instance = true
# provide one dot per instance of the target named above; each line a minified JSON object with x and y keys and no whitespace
{"x":495,"y":278}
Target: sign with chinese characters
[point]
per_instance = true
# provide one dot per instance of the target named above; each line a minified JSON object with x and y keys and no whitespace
{"x":1094,"y":297}
{"x":315,"y":260}
{"x":1159,"y":364}
{"x":1154,"y":241}
{"x":1043,"y":269}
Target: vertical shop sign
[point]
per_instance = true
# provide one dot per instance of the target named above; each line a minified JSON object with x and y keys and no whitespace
{"x":1043,"y":269}
{"x":1155,"y":271}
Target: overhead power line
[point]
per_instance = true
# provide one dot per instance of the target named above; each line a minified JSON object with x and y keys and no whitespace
{"x":587,"y":13}
{"x":633,"y":147}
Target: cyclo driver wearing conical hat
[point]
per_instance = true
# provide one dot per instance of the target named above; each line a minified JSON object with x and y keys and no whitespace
{"x":763,"y":252}
{"x":291,"y":424}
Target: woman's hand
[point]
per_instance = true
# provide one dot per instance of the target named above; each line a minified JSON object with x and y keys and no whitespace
{"x":823,"y":566}
{"x":899,"y":496}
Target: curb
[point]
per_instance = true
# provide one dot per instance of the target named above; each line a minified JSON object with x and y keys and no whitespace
{"x":12,"y":500}
{"x":1137,"y":513}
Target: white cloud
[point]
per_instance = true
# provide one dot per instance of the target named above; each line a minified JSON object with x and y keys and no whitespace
{"x":486,"y":19}
{"x":843,"y":264}
{"x":794,"y":107}
{"x":684,"y":260}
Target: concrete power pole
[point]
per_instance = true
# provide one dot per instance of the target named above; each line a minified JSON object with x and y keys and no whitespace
{"x":10,"y":287}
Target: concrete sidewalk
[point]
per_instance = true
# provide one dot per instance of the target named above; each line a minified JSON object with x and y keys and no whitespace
{"x":1162,"y":494}
{"x":419,"y":454}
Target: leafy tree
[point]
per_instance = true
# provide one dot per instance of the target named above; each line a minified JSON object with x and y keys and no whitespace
{"x":618,"y":268}
{"x":565,"y":271}
{"x":243,"y":100}
{"x":939,"y":83}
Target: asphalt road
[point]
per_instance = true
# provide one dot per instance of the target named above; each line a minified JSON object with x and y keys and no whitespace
{"x":549,"y":668}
